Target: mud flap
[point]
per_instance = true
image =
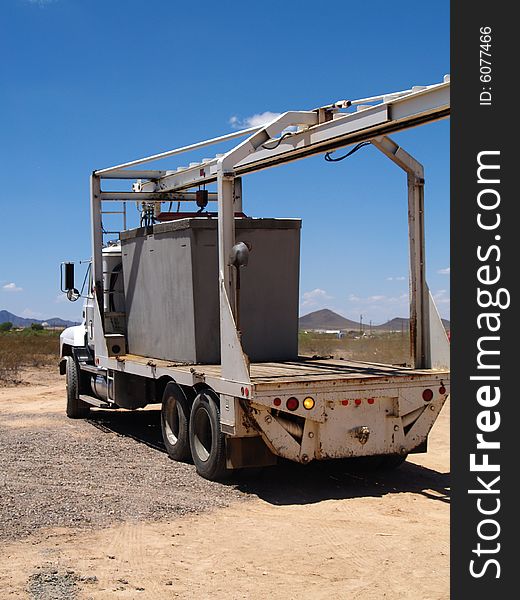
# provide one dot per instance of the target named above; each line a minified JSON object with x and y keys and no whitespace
{"x":248,"y":452}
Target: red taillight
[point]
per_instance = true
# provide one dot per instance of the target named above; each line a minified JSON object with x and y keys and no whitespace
{"x":357,"y":401}
{"x":370,"y":401}
{"x":344,"y":402}
{"x":427,"y":395}
{"x":442,"y":390}
{"x":277,"y":401}
{"x":292,"y":403}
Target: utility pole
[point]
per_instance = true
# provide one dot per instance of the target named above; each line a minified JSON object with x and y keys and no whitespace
{"x":361,"y":324}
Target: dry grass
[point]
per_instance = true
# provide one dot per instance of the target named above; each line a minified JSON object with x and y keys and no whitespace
{"x":26,"y":348}
{"x":388,"y":348}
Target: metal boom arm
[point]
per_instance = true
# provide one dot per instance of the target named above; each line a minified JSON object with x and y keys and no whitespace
{"x":311,"y":132}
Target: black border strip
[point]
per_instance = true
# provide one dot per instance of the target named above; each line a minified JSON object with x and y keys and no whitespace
{"x":483,"y":125}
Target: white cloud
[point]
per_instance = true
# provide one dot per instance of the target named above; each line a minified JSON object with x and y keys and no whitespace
{"x":441,"y":297}
{"x":400,"y":278}
{"x":60,"y":298}
{"x":376,"y":298}
{"x":379,"y":299}
{"x":315,"y":297}
{"x":445,"y":271}
{"x":378,"y":307}
{"x":41,"y":3}
{"x":11,"y":287}
{"x":256,"y":120}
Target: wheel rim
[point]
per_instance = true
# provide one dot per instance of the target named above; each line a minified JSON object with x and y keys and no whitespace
{"x":171,"y":423}
{"x":202,"y":435}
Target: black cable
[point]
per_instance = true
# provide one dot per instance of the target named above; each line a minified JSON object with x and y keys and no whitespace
{"x":329,"y":158}
{"x":279,"y":141}
{"x":85,"y":281}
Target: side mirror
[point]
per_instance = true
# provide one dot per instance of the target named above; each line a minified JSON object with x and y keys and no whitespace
{"x":71,"y":291}
{"x":239,"y":256}
{"x":73,"y":295}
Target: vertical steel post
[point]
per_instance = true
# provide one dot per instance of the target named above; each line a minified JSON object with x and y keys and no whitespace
{"x":419,"y":294}
{"x":97,"y":239}
{"x":419,"y":307}
{"x":237,"y":194}
{"x":226,"y":233}
{"x":234,"y":364}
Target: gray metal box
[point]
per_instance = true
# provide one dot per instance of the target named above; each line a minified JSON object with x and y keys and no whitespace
{"x":171,"y":289}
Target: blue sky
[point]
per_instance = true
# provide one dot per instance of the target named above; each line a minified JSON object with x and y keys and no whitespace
{"x":91,"y":83}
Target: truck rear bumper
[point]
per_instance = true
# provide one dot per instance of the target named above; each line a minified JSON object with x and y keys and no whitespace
{"x":349,"y":423}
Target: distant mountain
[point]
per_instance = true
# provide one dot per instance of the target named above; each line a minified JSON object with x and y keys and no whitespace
{"x":327,"y":319}
{"x":401,"y":324}
{"x":23,"y":322}
{"x":395,"y":324}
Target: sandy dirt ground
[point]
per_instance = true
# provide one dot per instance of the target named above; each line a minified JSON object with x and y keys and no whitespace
{"x":287,"y":532}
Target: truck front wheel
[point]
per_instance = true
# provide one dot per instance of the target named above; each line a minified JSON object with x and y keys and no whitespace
{"x":76,"y":408}
{"x":208,"y":446}
{"x":175,"y":418}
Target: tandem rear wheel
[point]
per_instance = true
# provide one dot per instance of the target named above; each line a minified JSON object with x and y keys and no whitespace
{"x":191,"y":430}
{"x":207,"y":443}
{"x":175,"y":419}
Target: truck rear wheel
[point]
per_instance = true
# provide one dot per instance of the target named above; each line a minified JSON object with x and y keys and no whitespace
{"x":175,"y":419}
{"x":76,"y":408}
{"x":208,"y":446}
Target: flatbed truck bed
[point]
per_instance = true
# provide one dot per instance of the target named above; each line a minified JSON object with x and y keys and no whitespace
{"x":304,"y":370}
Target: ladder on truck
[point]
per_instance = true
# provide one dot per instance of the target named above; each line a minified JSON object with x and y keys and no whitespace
{"x":289,"y":137}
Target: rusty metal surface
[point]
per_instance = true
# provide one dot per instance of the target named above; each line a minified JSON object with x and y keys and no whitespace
{"x":264,"y":375}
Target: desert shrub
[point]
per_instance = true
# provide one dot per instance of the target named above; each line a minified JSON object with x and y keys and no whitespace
{"x":26,"y":348}
{"x":389,"y":348}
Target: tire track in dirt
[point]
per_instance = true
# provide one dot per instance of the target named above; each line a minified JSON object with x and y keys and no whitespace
{"x":316,"y":533}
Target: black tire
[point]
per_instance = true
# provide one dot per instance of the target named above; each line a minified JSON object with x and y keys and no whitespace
{"x":208,"y":446}
{"x":76,"y":408}
{"x":392,"y":461}
{"x":175,"y":419}
{"x":379,"y":462}
{"x":363,"y":464}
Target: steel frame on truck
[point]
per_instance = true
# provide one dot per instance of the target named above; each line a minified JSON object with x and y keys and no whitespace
{"x":289,"y":137}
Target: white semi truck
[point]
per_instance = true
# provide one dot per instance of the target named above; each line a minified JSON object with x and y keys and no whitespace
{"x":199,"y":311}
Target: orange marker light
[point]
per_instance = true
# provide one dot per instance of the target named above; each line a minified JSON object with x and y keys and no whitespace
{"x":308,"y":403}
